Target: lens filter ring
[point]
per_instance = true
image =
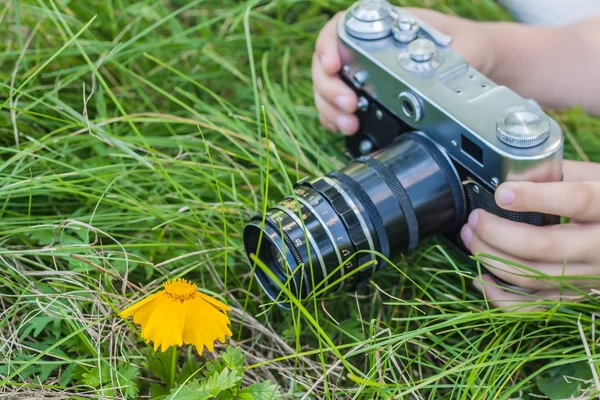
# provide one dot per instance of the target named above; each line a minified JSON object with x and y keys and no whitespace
{"x":335,"y":229}
{"x":265,"y":238}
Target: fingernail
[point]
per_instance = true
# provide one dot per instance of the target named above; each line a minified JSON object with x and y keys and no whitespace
{"x":345,"y":103}
{"x":505,"y":196}
{"x":477,"y":285}
{"x":466,"y":234}
{"x":345,"y":123}
{"x":473,"y":219}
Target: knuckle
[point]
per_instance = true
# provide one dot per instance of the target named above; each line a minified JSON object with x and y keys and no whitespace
{"x":314,"y":63}
{"x":323,"y":120}
{"x":323,"y":41}
{"x":582,"y":197}
{"x":541,"y":245}
{"x":483,"y":226}
{"x":319,"y":44}
{"x":527,"y":283}
{"x":519,"y":277}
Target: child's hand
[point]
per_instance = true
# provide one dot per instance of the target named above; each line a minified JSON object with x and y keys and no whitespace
{"x":336,"y":102}
{"x":571,"y":250}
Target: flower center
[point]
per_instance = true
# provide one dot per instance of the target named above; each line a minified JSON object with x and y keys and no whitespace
{"x":180,"y":289}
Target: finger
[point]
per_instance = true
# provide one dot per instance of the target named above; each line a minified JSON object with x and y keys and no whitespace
{"x":332,"y":89}
{"x":579,"y":199}
{"x":327,"y":124}
{"x":581,"y":171}
{"x":553,"y":243}
{"x":528,"y":274}
{"x":510,"y":300}
{"x":334,"y":119}
{"x":444,"y":23}
{"x":504,"y":299}
{"x":327,"y":46}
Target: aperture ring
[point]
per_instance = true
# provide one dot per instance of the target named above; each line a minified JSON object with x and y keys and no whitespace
{"x":351,"y":220}
{"x":369,"y":207}
{"x":344,"y":211}
{"x":399,"y":192}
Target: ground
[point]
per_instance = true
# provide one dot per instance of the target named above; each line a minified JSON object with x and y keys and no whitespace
{"x":133,"y":150}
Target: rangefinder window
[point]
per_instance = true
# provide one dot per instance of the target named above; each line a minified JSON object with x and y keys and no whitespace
{"x":471,"y":149}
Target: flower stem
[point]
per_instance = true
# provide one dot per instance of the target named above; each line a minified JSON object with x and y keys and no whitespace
{"x":173,"y":366}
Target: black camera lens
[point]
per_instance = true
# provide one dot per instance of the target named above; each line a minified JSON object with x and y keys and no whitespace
{"x":333,"y":233}
{"x":270,"y":246}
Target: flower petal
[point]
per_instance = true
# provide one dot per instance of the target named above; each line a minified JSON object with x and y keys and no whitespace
{"x":193,"y":332}
{"x":204,"y":324}
{"x":214,"y":302}
{"x":131,"y":309}
{"x":165,"y":325}
{"x":142,"y":314}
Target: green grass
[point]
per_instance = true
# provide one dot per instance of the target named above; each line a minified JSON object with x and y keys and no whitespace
{"x":133,"y":145}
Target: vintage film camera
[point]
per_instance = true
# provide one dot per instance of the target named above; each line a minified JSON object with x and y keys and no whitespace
{"x":436,"y":138}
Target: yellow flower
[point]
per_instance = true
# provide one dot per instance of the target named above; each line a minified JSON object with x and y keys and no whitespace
{"x":180,"y":314}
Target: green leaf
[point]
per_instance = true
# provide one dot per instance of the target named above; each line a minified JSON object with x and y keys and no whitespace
{"x":159,"y":391}
{"x":233,"y":358}
{"x":35,"y":325}
{"x":44,"y":371}
{"x":225,"y":380}
{"x":565,"y":381}
{"x":189,"y":368}
{"x":213,"y":367}
{"x":47,"y":236}
{"x":210,"y":387}
{"x":67,"y":374}
{"x":126,"y":379}
{"x":192,"y":391}
{"x":160,"y":363}
{"x":95,"y":377}
{"x":259,"y":391}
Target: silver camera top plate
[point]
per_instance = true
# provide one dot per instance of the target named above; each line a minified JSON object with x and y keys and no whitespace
{"x":409,"y":68}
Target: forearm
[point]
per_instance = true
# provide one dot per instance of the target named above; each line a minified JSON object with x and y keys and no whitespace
{"x":557,"y":67}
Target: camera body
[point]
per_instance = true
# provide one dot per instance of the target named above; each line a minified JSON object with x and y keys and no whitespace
{"x":436,"y":139}
{"x":407,"y":78}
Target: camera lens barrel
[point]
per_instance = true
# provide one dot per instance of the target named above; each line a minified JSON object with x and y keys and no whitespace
{"x":382,"y":204}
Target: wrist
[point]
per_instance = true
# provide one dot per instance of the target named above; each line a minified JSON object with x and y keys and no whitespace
{"x":497,"y":38}
{"x":551,"y":65}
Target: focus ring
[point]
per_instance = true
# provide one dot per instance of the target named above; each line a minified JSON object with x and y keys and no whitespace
{"x":354,"y":231}
{"x":369,"y":207}
{"x":343,"y":210}
{"x":399,"y":192}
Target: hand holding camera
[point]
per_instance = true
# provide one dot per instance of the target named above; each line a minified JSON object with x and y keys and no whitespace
{"x":437,"y":147}
{"x":336,"y":102}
